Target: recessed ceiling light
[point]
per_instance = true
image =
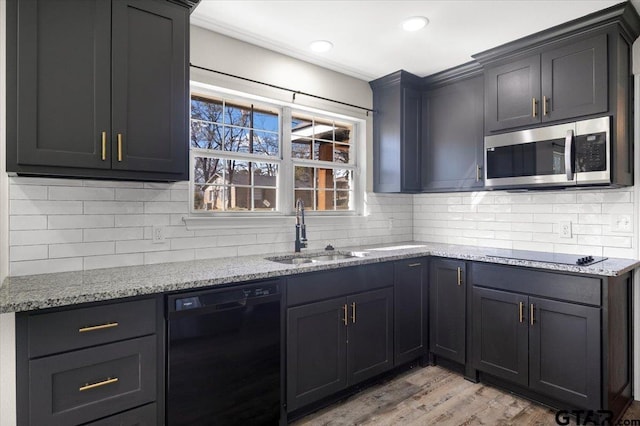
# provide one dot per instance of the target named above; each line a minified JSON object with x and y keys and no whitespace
{"x":320,"y":46}
{"x":414,"y":23}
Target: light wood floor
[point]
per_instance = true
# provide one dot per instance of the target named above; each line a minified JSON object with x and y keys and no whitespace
{"x":436,"y":396}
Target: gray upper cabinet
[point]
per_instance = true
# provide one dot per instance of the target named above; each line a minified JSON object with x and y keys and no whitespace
{"x":397,"y":133}
{"x":453,"y":117}
{"x":102,"y":89}
{"x":564,"y":82}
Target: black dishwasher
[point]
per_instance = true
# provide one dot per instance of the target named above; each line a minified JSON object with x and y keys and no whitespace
{"x":224,"y":356}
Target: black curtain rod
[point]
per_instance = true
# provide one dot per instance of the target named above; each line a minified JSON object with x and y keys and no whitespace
{"x":295,"y":92}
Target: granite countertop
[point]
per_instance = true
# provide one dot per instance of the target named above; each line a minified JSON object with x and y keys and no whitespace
{"x":32,"y":292}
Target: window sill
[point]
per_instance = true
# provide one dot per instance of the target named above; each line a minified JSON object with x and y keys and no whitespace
{"x":213,"y":222}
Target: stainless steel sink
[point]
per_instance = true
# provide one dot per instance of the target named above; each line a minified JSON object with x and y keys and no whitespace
{"x":314,"y":258}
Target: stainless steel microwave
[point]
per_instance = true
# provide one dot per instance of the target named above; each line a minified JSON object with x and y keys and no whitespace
{"x":564,"y":155}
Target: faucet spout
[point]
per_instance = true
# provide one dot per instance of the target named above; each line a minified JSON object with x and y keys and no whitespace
{"x":301,"y":229}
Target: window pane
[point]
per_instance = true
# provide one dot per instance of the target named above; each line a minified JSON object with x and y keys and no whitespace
{"x":265,"y":174}
{"x":206,"y":135}
{"x":301,"y":148}
{"x":307,"y":198}
{"x":341,"y":153}
{"x":323,"y":151}
{"x":208,"y":170}
{"x":264,"y":119}
{"x":236,"y":139}
{"x":206,"y":109}
{"x":301,"y":127}
{"x":324,"y":179}
{"x":324,"y":200}
{"x":266,"y":143}
{"x":237,"y":172}
{"x":343,"y":178}
{"x":303,"y":177}
{"x":323,"y":130}
{"x":342,"y":200}
{"x":264,"y":199}
{"x":208,"y":197}
{"x":237,"y":115}
{"x":343,"y":133}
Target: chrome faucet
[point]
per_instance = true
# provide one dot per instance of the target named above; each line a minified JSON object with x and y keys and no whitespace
{"x":301,"y":230}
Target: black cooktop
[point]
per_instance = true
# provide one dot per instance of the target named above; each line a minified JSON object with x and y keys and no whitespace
{"x":565,"y":259}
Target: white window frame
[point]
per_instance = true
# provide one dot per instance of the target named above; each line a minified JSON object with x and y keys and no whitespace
{"x":285,"y":180}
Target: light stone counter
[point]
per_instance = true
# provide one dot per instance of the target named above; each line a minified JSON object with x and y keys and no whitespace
{"x":33,"y":292}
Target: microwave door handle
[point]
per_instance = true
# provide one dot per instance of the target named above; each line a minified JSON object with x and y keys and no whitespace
{"x":568,"y":150}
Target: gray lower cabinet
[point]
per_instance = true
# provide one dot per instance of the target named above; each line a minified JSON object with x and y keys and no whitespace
{"x":337,"y":342}
{"x":447,"y":309}
{"x":98,"y":88}
{"x":100,"y":363}
{"x":562,"y":339}
{"x":410,"y":313}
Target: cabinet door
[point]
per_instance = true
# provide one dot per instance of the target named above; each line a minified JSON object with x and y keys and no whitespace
{"x":370,"y":334}
{"x":63,"y":88}
{"x":500,"y":334}
{"x":410,"y":141}
{"x":512,"y":94}
{"x":447,"y":307}
{"x":564,"y":352}
{"x":150,"y":87}
{"x":574,"y":79}
{"x":454,"y":136}
{"x":410,"y":310}
{"x":316,"y":351}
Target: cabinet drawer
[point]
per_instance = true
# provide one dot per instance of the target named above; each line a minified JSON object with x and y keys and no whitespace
{"x":56,"y":332}
{"x":83,"y":385}
{"x":571,"y":288}
{"x":141,"y":416}
{"x":339,"y":282}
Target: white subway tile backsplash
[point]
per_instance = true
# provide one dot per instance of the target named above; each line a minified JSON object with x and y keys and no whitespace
{"x":24,"y":238}
{"x":44,"y":182}
{"x":80,"y":221}
{"x":112,"y":261}
{"x":80,"y":249}
{"x":113,"y":207}
{"x":80,"y":193}
{"x":141,"y":246}
{"x":21,"y":223}
{"x":28,"y":192}
{"x":151,"y":207}
{"x":45,"y":266}
{"x":127,"y":194}
{"x":35,"y":252}
{"x":113,"y":234}
{"x":39,"y":207}
{"x":169,"y":256}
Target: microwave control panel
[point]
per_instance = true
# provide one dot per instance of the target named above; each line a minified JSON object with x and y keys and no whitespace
{"x":591,"y":152}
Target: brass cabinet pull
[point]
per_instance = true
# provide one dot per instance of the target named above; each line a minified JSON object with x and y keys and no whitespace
{"x":353,"y":316}
{"x":459,"y":276}
{"x":119,"y":146}
{"x":531,"y":312}
{"x":521,"y":305}
{"x":413,"y":265}
{"x":344,"y":310}
{"x":478,"y":176}
{"x":97,"y":327}
{"x":104,"y":146}
{"x":534,"y":111}
{"x":544,"y":105}
{"x":88,"y":386}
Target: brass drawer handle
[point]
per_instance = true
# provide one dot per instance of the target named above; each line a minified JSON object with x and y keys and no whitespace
{"x":531,"y":309}
{"x":459,"y":276}
{"x":108,"y":381}
{"x":97,"y":327}
{"x":353,"y":316}
{"x":413,"y":265}
{"x":344,"y":310}
{"x":534,"y":111}
{"x":119,"y":146}
{"x":104,"y":146}
{"x":521,"y":305}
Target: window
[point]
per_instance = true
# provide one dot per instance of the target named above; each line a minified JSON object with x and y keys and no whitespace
{"x":243,"y":160}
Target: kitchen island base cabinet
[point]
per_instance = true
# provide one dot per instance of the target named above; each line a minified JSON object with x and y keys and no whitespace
{"x":560,"y":339}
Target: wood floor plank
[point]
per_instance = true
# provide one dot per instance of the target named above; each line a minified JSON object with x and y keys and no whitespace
{"x":436,"y":396}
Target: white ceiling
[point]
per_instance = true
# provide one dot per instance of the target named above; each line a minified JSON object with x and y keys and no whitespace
{"x":367,"y":37}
